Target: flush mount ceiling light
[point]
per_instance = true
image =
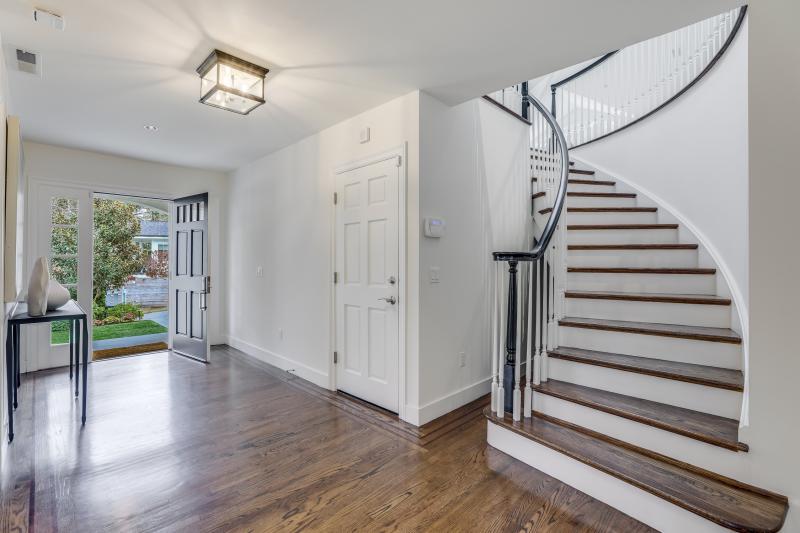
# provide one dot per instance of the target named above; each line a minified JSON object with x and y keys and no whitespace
{"x":150,"y":127}
{"x":231,"y":83}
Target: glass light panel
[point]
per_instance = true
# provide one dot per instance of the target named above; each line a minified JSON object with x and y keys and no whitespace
{"x":226,"y":100}
{"x":209,"y":80}
{"x":242,"y":81}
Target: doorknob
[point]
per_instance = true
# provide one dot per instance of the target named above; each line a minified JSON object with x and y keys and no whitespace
{"x":389,"y":300}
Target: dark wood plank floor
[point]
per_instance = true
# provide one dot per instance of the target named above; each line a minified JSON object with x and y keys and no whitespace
{"x":174,"y":445}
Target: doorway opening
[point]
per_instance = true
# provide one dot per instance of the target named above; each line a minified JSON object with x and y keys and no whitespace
{"x":130,"y":275}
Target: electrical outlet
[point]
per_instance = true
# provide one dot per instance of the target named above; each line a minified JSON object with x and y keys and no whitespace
{"x":259,"y":271}
{"x":462,"y":359}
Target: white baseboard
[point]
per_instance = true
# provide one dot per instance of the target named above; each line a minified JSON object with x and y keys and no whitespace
{"x":284,"y":363}
{"x":634,"y":502}
{"x":419,"y":415}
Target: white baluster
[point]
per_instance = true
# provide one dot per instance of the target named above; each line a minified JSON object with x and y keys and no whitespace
{"x":528,"y":403}
{"x":494,"y":299}
{"x":537,"y":358}
{"x":517,"y":407}
{"x":501,"y":352}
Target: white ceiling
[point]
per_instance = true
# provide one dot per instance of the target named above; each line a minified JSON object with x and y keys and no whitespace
{"x":122,"y":64}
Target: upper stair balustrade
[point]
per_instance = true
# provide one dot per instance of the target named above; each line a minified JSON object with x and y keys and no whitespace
{"x":624,"y":86}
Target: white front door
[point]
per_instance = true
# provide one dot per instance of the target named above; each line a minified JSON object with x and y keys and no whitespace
{"x":61,"y":218}
{"x":367,"y":267}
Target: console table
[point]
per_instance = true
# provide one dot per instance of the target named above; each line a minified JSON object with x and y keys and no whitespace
{"x":78,"y":347}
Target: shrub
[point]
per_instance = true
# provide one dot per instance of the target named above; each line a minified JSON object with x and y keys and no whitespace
{"x":111,"y":320}
{"x":99,"y":312}
{"x":126,"y":312}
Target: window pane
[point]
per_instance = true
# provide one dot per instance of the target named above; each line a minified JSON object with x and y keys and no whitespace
{"x":65,"y":270}
{"x":64,"y":210}
{"x":73,"y":292}
{"x":59,"y":332}
{"x":64,"y":241}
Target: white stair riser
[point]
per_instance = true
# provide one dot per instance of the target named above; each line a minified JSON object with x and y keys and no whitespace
{"x":647,"y":283}
{"x":633,"y":258}
{"x":714,"y":316}
{"x":641,"y":505}
{"x":719,"y":354}
{"x":622,"y":236}
{"x":593,"y":187}
{"x":600,"y":201}
{"x":736,"y":465}
{"x":612,"y":217}
{"x":711,"y":400}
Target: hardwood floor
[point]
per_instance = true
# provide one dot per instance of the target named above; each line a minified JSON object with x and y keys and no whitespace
{"x":175,"y":445}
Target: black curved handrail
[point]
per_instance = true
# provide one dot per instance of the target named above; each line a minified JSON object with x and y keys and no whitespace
{"x":734,"y":32}
{"x":550,"y":227}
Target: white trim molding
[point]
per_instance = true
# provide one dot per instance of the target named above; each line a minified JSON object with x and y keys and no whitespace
{"x":420,"y":415}
{"x":283,"y":362}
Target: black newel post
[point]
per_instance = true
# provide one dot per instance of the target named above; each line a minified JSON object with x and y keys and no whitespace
{"x":511,"y":337}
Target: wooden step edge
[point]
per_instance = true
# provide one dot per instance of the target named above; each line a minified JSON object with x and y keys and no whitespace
{"x":640,"y":328}
{"x":576,"y":181}
{"x":636,"y":369}
{"x":612,"y":209}
{"x":538,"y":195}
{"x":652,"y":422}
{"x":581,"y":171}
{"x":517,"y":427}
{"x":591,"y":227}
{"x":653,"y":246}
{"x":623,"y":270}
{"x":645,"y":297}
{"x":603,"y":194}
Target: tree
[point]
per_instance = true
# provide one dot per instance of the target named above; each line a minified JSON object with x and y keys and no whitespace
{"x":117,"y":256}
{"x":158,"y":265}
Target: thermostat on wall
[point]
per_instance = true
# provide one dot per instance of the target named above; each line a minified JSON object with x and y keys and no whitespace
{"x":434,"y":227}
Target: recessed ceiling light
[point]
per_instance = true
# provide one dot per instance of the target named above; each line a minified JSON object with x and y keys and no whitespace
{"x":151,"y":127}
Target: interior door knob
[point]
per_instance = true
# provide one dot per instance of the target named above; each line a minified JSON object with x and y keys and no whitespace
{"x":389,"y":300}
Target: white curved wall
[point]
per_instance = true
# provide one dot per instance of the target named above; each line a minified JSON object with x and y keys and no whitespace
{"x":692,"y":156}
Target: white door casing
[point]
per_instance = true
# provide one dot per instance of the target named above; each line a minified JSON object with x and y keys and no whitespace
{"x":367,"y":265}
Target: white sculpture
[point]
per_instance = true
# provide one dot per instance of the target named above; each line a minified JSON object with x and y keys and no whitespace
{"x":57,"y":295}
{"x":37,"y":288}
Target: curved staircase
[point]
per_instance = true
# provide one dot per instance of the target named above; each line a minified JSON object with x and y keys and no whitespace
{"x":639,"y":399}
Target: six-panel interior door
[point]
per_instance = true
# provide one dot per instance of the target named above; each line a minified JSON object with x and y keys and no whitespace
{"x":367,"y":318}
{"x":189,"y":282}
{"x":60,"y":218}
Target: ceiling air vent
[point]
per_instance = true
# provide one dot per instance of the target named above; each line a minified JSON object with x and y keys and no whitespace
{"x":28,"y":61}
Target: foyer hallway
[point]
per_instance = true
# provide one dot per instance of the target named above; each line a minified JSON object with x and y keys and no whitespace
{"x":175,"y":445}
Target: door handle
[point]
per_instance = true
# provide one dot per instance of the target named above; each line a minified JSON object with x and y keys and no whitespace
{"x":204,"y":301}
{"x":389,"y":300}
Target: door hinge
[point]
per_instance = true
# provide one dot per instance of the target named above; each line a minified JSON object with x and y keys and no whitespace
{"x":336,"y":277}
{"x":335,"y":357}
{"x":335,"y":198}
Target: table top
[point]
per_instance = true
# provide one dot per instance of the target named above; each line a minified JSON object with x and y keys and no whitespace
{"x":69,"y":310}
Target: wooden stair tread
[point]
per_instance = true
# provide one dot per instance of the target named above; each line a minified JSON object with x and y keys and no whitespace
{"x":701,"y":299}
{"x":711,"y":376}
{"x":700,"y":333}
{"x":712,"y":429}
{"x":654,"y":246}
{"x":724,"y":501}
{"x":603,"y":194}
{"x":591,"y":182}
{"x":581,"y":171}
{"x":584,"y":227}
{"x":624,"y":270}
{"x":605,"y":210}
{"x":538,"y":195}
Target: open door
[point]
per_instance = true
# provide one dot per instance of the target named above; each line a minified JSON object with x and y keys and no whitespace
{"x":189,"y":282}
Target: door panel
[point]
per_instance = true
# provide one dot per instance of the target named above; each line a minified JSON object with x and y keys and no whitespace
{"x":189,"y":279}
{"x":367,"y":319}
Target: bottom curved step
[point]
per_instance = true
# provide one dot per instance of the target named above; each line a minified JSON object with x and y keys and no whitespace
{"x":721,"y":500}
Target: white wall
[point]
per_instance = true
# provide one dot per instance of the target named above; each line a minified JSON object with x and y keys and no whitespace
{"x":774,"y":86}
{"x":114,"y":174}
{"x":3,"y":113}
{"x":280,"y":217}
{"x":691,"y":157}
{"x":473,"y":170}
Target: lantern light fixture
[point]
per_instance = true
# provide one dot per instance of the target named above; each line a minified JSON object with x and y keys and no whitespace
{"x":230,"y":83}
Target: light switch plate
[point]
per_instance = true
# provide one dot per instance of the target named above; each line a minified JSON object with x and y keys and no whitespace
{"x":434,"y":274}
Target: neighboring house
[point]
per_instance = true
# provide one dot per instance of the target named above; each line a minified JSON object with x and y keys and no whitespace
{"x":154,"y":235}
{"x":142,"y":289}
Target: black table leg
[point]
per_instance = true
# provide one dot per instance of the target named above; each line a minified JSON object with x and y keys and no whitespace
{"x":15,"y":354}
{"x":71,"y":325}
{"x":76,"y":344}
{"x":85,"y":335}
{"x":17,"y":331}
{"x":10,"y":373}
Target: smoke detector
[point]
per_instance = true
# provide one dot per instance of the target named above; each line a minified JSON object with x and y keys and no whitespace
{"x":27,"y":61}
{"x":48,"y":18}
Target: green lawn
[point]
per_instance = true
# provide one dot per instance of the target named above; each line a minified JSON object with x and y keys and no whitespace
{"x":113,"y":331}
